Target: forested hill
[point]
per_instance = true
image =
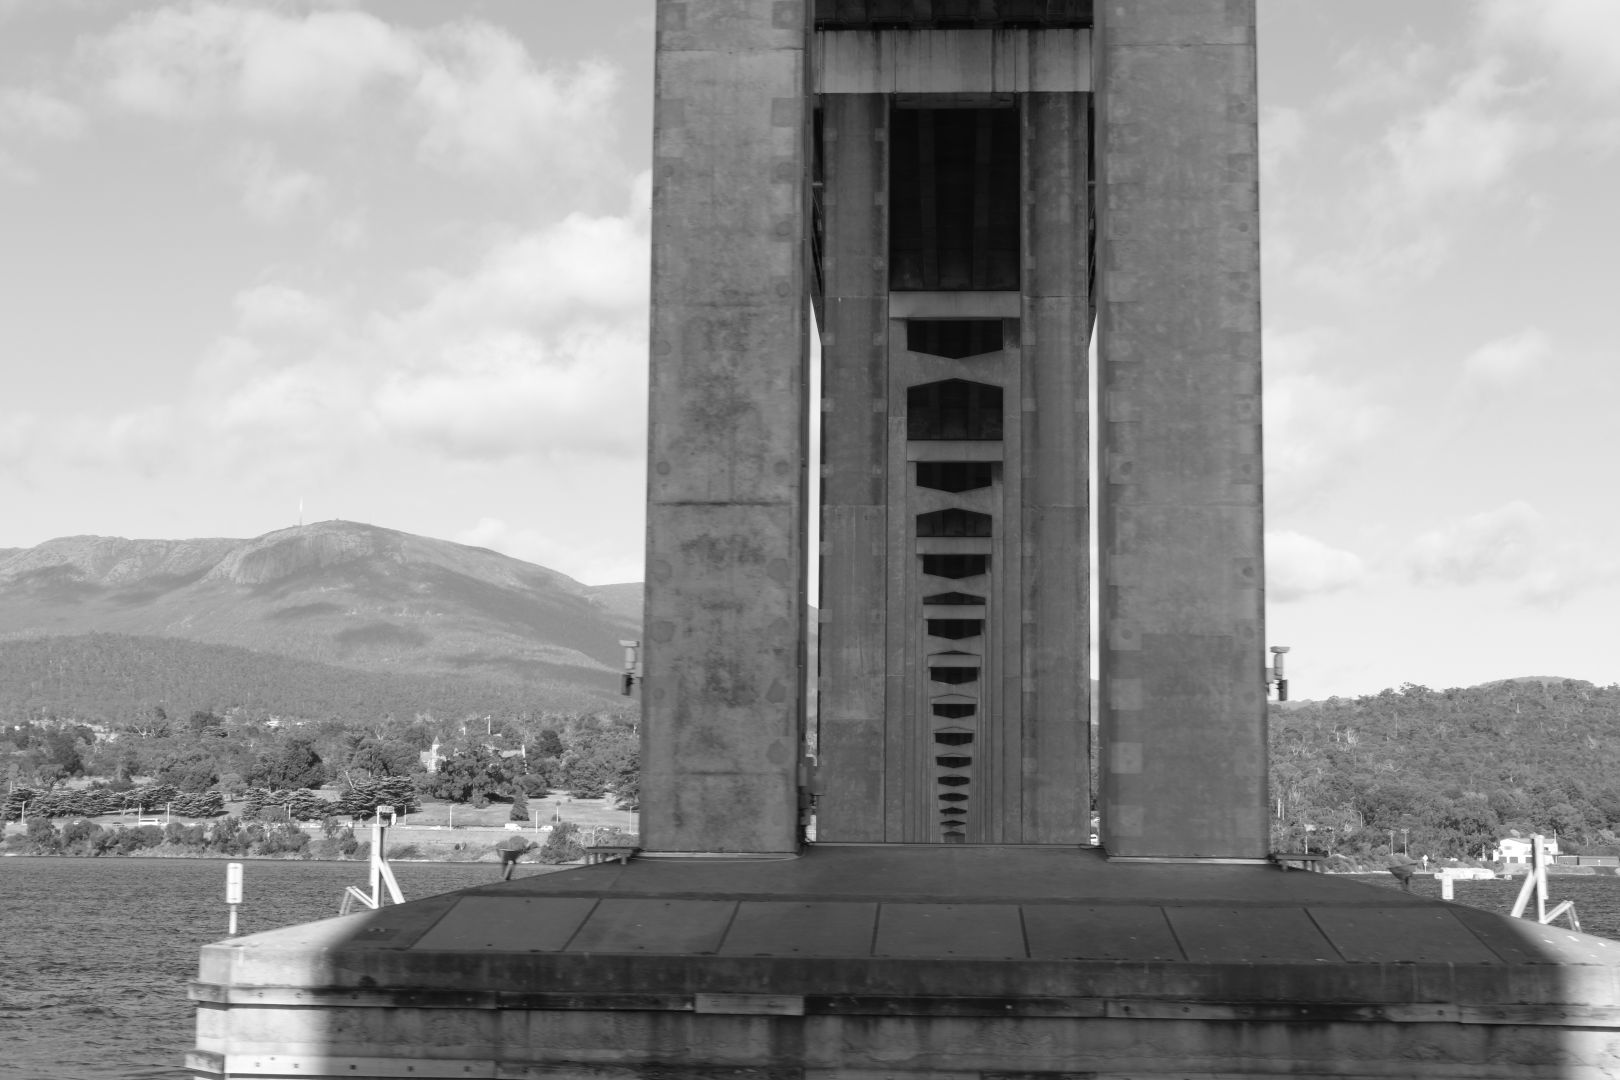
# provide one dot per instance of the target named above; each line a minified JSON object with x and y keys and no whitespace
{"x":120,"y":679}
{"x":1457,"y":769}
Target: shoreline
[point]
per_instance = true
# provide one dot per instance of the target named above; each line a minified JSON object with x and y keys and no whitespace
{"x":152,"y":853}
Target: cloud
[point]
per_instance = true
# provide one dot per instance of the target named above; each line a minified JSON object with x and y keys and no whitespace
{"x":36,"y":111}
{"x":1299,"y":567}
{"x":18,"y":433}
{"x":276,"y":308}
{"x":1510,"y":360}
{"x":485,"y":107}
{"x":272,"y":193}
{"x":538,"y":350}
{"x":1385,"y":74}
{"x":507,"y":395}
{"x":535,"y":352}
{"x":1498,"y":545}
{"x":582,"y":266}
{"x":1512,"y":546}
{"x":1582,"y":37}
{"x":1282,"y":133}
{"x":470,"y":93}
{"x":206,"y":59}
{"x":1421,"y":137}
{"x":145,"y":441}
{"x":1315,"y":420}
{"x":15,"y":172}
{"x":1464,"y":143}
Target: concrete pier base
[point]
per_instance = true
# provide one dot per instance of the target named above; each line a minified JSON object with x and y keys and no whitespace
{"x":868,"y":962}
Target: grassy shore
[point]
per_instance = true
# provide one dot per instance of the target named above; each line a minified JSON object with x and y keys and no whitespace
{"x":437,"y":832}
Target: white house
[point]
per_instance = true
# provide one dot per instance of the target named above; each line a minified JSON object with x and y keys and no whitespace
{"x":431,"y":757}
{"x":1513,"y":849}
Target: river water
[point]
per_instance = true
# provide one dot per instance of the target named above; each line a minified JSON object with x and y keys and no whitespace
{"x":95,"y":954}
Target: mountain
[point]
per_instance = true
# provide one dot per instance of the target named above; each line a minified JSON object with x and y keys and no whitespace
{"x":346,"y":599}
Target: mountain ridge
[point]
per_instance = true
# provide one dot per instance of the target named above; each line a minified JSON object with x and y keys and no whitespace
{"x":342,"y":594}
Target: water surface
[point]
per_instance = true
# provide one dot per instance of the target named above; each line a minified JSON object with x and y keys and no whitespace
{"x":95,"y":954}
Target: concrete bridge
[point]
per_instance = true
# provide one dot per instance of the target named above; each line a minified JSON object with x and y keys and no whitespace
{"x":962,"y":191}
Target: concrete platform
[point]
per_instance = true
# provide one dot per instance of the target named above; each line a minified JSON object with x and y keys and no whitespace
{"x":925,"y":961}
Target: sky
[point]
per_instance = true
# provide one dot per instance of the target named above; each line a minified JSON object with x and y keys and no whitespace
{"x":387,"y":261}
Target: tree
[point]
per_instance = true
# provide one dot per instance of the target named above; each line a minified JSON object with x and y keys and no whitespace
{"x":205,"y":722}
{"x":383,"y":757}
{"x":474,"y":775}
{"x":548,"y":743}
{"x":563,"y":845}
{"x":364,"y":795}
{"x":189,"y":770}
{"x":603,"y":759}
{"x":62,"y":749}
{"x":520,"y":806}
{"x":295,"y":765}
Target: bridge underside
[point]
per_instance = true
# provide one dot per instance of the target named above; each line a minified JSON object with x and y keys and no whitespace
{"x":919,"y":961}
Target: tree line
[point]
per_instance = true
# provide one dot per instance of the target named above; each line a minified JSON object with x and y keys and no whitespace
{"x":1405,"y":772}
{"x":57,"y":767}
{"x":1448,"y":773}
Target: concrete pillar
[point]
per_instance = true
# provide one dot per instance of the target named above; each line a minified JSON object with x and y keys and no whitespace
{"x":1053,"y":673}
{"x":723,"y":714}
{"x":854,"y":450}
{"x":1183,"y":738}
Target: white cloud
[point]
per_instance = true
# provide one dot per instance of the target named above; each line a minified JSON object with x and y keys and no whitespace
{"x":1498,"y":545}
{"x":1391,"y":72}
{"x":1421,"y":137}
{"x":272,"y":193}
{"x":315,"y":406}
{"x":35,"y":111}
{"x":1376,"y":260}
{"x":583,"y":265}
{"x":1299,"y":566}
{"x":15,"y":172}
{"x":274,"y":307}
{"x":205,"y":59}
{"x":1282,"y":133}
{"x":18,"y":432}
{"x":1510,"y":360}
{"x":1314,"y":420}
{"x":470,"y":92}
{"x":146,"y":441}
{"x":511,"y":394}
{"x":1581,"y":36}
{"x":485,"y":107}
{"x":538,"y":351}
{"x":1512,"y":546}
{"x":1464,"y":143}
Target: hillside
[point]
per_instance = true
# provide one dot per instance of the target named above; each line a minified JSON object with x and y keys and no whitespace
{"x":118,"y":678}
{"x":1455,"y":768}
{"x":344,"y":598}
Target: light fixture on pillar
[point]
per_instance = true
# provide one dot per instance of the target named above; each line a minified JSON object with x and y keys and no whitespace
{"x":1275,"y":674}
{"x":632,"y":664}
